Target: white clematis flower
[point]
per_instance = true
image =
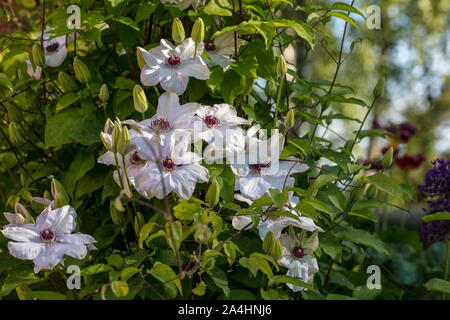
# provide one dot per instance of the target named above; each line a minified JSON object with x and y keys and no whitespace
{"x":257,"y":172}
{"x":170,"y":168}
{"x":170,"y":119}
{"x":222,"y":49}
{"x":55,"y":49}
{"x":172,"y":66}
{"x":47,"y":241}
{"x":220,"y":129}
{"x":297,"y":258}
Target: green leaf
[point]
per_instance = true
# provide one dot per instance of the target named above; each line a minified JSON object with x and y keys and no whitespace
{"x":105,"y":235}
{"x":17,"y":278}
{"x":220,"y":279}
{"x":164,"y":273}
{"x":331,"y":246}
{"x":372,"y":133}
{"x":47,"y":295}
{"x":364,"y":215}
{"x":231,"y":86}
{"x":345,"y":7}
{"x":319,"y":205}
{"x":96,"y":268}
{"x":187,"y":210}
{"x":345,"y":17}
{"x":279,"y":198}
{"x":128,"y":22}
{"x":292,"y":280}
{"x":218,"y":8}
{"x":386,"y":184}
{"x":335,"y":296}
{"x":302,"y":29}
{"x":144,"y":232}
{"x":363,"y":237}
{"x":436,"y":216}
{"x":67,"y":100}
{"x":119,"y":288}
{"x":246,"y":67}
{"x":60,"y":127}
{"x":436,"y":284}
{"x":213,"y":193}
{"x":321,"y":181}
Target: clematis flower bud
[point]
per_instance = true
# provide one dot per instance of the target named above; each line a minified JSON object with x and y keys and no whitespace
{"x":271,"y":89}
{"x":290,"y":119}
{"x":59,"y":194}
{"x":38,"y":55}
{"x":67,"y":83}
{"x":107,"y":136}
{"x":139,"y":99}
{"x":81,"y":71}
{"x":14,"y":134}
{"x":104,"y":93}
{"x":198,"y":31}
{"x":378,"y":91}
{"x":281,"y":66}
{"x":140,"y":59}
{"x":387,"y":158}
{"x":123,"y":146}
{"x":177,"y":31}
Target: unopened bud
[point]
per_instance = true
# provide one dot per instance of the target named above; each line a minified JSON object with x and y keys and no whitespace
{"x":140,"y":58}
{"x":81,"y":71}
{"x":198,"y":31}
{"x":14,"y":133}
{"x":387,"y":158}
{"x":38,"y":55}
{"x":271,"y":89}
{"x":123,"y":145}
{"x":378,"y":91}
{"x":281,"y":66}
{"x":290,"y":119}
{"x":177,"y":31}
{"x":67,"y":83}
{"x":104,"y":93}
{"x":59,"y":194}
{"x":139,"y":99}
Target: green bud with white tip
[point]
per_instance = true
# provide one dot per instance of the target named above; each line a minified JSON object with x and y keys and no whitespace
{"x":178,"y":34}
{"x":139,"y":99}
{"x":38,"y":55}
{"x":82,"y":72}
{"x":198,"y":31}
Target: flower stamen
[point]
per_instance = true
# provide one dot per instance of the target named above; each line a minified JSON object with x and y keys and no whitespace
{"x":47,"y":235}
{"x":53,"y":47}
{"x":210,"y":46}
{"x":169,"y":164}
{"x":160,"y":125}
{"x":173,"y":62}
{"x":211,"y":121}
{"x":298,"y":252}
{"x":256,"y":168}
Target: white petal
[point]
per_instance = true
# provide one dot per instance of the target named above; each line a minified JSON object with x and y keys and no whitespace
{"x":76,"y":238}
{"x":174,"y":82}
{"x":150,"y":76}
{"x":22,"y":234}
{"x":241,"y":222}
{"x":194,"y":67}
{"x":25,"y":250}
{"x":62,"y":220}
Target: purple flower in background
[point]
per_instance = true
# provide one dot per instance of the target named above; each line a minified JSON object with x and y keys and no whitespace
{"x":437,"y":190}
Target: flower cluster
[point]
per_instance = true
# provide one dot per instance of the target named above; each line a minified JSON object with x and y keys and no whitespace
{"x":437,"y":190}
{"x":158,"y":159}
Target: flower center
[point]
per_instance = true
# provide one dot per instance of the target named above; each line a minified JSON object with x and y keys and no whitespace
{"x":210,"y":47}
{"x":169,"y":164}
{"x":47,"y":235}
{"x":211,"y":121}
{"x":135,"y":159}
{"x":53,"y":47}
{"x":298,"y":252}
{"x":173,"y":62}
{"x":256,"y":168}
{"x":160,"y":125}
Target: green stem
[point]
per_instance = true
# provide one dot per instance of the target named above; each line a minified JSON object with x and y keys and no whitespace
{"x":362,"y":124}
{"x":447,"y":258}
{"x":195,"y":52}
{"x":118,"y":170}
{"x":126,"y":172}
{"x":278,"y":103}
